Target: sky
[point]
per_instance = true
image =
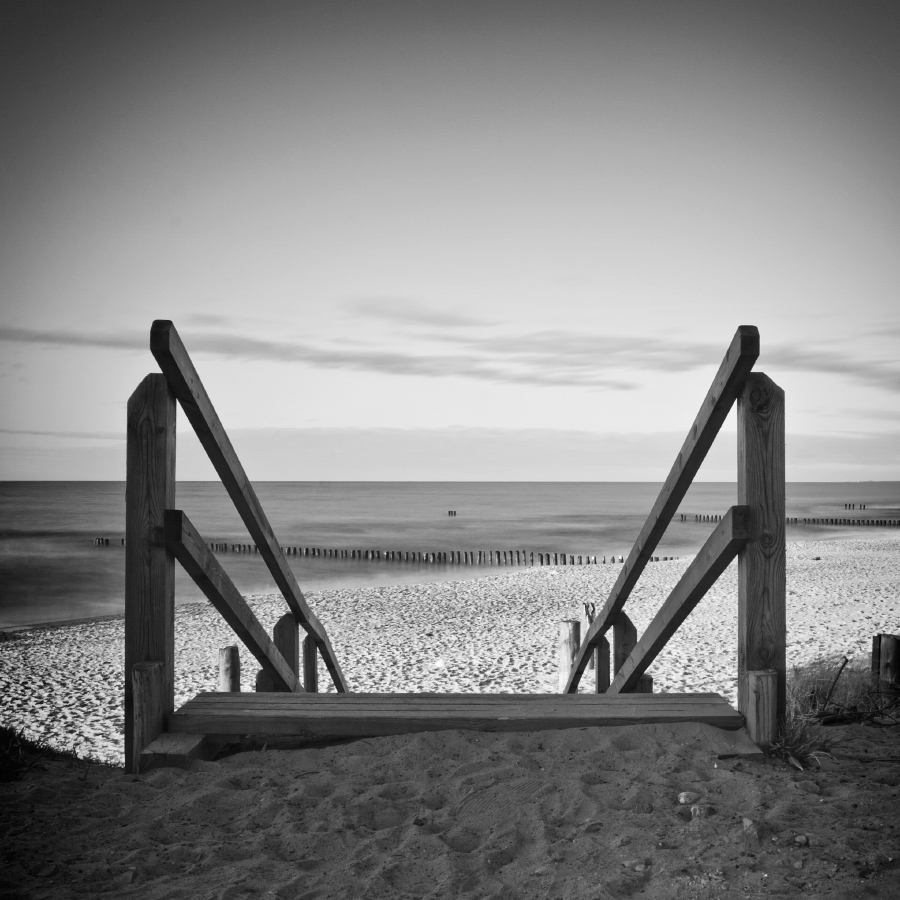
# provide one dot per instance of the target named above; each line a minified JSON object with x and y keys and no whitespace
{"x":450,"y":240}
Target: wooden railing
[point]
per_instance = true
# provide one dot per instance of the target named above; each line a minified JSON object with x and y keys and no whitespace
{"x":753,"y":531}
{"x":156,"y":534}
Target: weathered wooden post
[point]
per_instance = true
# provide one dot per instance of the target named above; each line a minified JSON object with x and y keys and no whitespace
{"x":310,"y":666}
{"x":761,"y":563}
{"x":602,"y":680}
{"x":569,"y":641}
{"x":149,"y":567}
{"x":286,"y":637}
{"x":588,"y":611}
{"x":886,"y":661}
{"x":229,"y":669}
{"x":624,"y":639}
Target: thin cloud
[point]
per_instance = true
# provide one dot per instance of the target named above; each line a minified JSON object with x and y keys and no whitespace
{"x":880,"y":373}
{"x":123,"y":340}
{"x":80,"y":435}
{"x":585,"y":352}
{"x":548,"y":358}
{"x":207,"y":320}
{"x":412,"y":313}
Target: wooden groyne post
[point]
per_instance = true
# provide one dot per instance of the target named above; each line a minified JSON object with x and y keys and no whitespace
{"x":762,"y":632}
{"x":149,"y":566}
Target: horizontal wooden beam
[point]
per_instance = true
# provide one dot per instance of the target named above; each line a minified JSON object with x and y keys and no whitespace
{"x":173,"y":359}
{"x":720,"y":549}
{"x":739,"y":359}
{"x":366,"y":715}
{"x":190,"y":549}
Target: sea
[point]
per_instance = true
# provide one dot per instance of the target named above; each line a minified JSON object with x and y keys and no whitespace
{"x":53,"y":570}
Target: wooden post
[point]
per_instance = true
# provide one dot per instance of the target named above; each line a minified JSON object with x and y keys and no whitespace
{"x":264,"y":683}
{"x":310,"y":666}
{"x":286,"y":637}
{"x":587,"y":616}
{"x":624,"y":639}
{"x":569,"y":641}
{"x":644,"y":685}
{"x":149,"y":567}
{"x":762,"y":716}
{"x":602,"y":680}
{"x":148,"y":700}
{"x":762,"y":633}
{"x":886,"y":660}
{"x":229,"y":669}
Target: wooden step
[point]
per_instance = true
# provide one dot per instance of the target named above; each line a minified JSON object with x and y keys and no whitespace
{"x":370,"y":715}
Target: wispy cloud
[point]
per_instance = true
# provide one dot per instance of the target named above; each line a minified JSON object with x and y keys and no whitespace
{"x":122,"y":340}
{"x":207,"y":320}
{"x":80,"y":435}
{"x":879,"y":372}
{"x":547,"y":357}
{"x":410,"y":312}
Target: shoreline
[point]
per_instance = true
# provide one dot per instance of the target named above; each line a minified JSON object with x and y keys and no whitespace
{"x":477,"y":573}
{"x":493,"y":634}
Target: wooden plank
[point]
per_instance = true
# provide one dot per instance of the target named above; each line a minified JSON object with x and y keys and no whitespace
{"x":331,"y":715}
{"x":173,"y":359}
{"x":739,"y":359}
{"x":149,"y":568}
{"x":427,"y":699}
{"x":193,"y":552}
{"x":762,"y":630}
{"x":714,"y":557}
{"x":175,"y":751}
{"x":148,"y":697}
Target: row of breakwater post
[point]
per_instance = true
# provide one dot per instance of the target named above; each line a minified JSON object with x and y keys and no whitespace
{"x":808,"y":520}
{"x":438,"y":557}
{"x":513,"y":557}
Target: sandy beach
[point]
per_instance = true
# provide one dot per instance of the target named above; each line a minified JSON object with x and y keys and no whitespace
{"x":588,"y":813}
{"x":492,"y":634}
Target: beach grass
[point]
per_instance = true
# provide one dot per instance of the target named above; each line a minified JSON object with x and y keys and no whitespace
{"x":824,"y":691}
{"x":20,"y":754}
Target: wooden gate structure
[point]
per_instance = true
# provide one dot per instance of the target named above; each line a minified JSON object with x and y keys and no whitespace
{"x":287,"y":701}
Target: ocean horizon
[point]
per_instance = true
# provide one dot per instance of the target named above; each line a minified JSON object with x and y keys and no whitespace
{"x":52,"y":570}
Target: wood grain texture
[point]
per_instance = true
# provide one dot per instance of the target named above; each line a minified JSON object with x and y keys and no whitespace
{"x":173,"y":359}
{"x":149,"y":568}
{"x":762,"y":718}
{"x":192,"y":551}
{"x":567,"y":642}
{"x":229,"y":668}
{"x":149,"y":703}
{"x":727,"y":384}
{"x":714,"y":557}
{"x":366,"y":715}
{"x":762,"y":631}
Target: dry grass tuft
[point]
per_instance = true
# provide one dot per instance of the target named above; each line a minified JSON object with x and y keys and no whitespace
{"x":19,"y":755}
{"x":829,"y":691}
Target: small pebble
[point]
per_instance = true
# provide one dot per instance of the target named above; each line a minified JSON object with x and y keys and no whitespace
{"x":686,"y":798}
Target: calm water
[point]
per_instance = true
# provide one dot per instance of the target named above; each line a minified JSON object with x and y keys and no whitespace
{"x":50,"y":570}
